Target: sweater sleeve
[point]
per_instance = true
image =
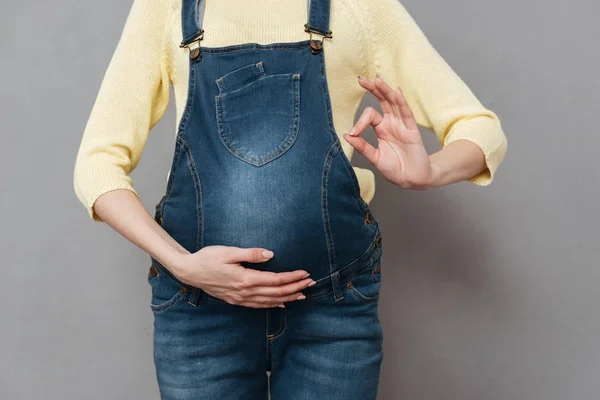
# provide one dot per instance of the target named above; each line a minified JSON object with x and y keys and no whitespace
{"x":133,"y":97}
{"x":438,"y":97}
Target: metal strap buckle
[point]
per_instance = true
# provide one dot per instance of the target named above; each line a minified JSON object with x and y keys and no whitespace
{"x":194,"y":52}
{"x":316,"y":45}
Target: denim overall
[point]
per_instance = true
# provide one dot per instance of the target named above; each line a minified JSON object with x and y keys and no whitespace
{"x":257,"y":163}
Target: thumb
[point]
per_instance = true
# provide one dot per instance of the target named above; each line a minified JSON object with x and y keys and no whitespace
{"x":363,"y":147}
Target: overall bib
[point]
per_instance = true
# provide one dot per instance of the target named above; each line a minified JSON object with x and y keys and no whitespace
{"x":257,"y":163}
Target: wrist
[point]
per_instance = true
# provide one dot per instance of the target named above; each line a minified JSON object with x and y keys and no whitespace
{"x":435,"y":176}
{"x":175,"y":261}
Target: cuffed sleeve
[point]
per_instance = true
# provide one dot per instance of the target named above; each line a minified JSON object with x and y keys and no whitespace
{"x":133,"y":97}
{"x":439,"y":99}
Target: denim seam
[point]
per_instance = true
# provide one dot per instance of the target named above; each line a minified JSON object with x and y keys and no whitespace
{"x":191,"y":95}
{"x":325,"y":207}
{"x":220,"y":85}
{"x":180,"y":138}
{"x":198,"y":189}
{"x":361,"y":297}
{"x":222,"y":80}
{"x":255,"y":46}
{"x":180,"y":131}
{"x":193,"y":35}
{"x":174,"y":167}
{"x":172,"y":302}
{"x":322,"y":29}
{"x":281,"y":327}
{"x":346,"y":162}
{"x":325,"y":90}
{"x":173,"y":171}
{"x":332,"y":130}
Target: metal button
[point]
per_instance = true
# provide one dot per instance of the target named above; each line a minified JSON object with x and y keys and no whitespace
{"x":195,"y":54}
{"x":368,"y":217}
{"x":378,"y":240}
{"x":316,"y":46}
{"x":376,"y":268}
{"x":183,"y":289}
{"x":159,"y":219}
{"x":153,"y":271}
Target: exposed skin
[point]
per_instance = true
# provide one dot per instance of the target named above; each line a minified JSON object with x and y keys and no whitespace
{"x":401,"y":156}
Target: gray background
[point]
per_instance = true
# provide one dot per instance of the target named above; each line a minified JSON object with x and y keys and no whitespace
{"x":489,"y":293}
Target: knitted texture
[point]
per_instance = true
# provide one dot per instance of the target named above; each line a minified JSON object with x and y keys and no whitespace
{"x":369,"y":37}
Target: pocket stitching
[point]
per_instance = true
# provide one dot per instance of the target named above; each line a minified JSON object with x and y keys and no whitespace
{"x":174,"y":300}
{"x":284,"y":146}
{"x":259,"y":73}
{"x":356,"y":293}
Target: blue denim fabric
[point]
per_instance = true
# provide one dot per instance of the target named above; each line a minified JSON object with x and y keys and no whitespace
{"x":328,"y":346}
{"x":257,"y":163}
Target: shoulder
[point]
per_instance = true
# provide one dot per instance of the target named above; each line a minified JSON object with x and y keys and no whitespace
{"x":381,"y":17}
{"x":153,"y":13}
{"x":153,"y":21}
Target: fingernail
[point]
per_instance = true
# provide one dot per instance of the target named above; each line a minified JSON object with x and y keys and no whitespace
{"x":352,"y":131}
{"x":361,"y":77}
{"x":313,"y":283}
{"x":301,"y":297}
{"x":306,"y":276}
{"x":267,"y":253}
{"x":377,"y":76}
{"x":280,"y":306}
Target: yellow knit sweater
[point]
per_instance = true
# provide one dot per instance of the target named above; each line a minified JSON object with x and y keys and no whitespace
{"x":369,"y":37}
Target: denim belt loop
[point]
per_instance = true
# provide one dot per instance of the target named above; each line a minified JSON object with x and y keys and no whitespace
{"x":194,"y":297}
{"x":337,"y":290}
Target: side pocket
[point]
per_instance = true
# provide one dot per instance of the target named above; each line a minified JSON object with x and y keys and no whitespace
{"x":165,"y":292}
{"x":365,"y":287}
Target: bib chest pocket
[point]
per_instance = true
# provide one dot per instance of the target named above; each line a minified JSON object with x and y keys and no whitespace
{"x":258,"y":115}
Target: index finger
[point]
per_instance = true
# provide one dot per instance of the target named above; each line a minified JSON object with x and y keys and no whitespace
{"x":267,"y":278}
{"x":387,"y":106}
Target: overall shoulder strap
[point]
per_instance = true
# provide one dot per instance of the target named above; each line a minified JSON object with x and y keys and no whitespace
{"x":192,"y":15}
{"x":318,"y":17}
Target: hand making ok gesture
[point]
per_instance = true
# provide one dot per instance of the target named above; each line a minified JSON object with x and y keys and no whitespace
{"x":400,"y":156}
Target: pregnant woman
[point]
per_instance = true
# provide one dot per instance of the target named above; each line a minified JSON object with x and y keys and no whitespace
{"x":264,"y":253}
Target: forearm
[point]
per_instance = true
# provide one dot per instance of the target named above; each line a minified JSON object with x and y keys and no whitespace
{"x":123,"y":211}
{"x":455,"y":162}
